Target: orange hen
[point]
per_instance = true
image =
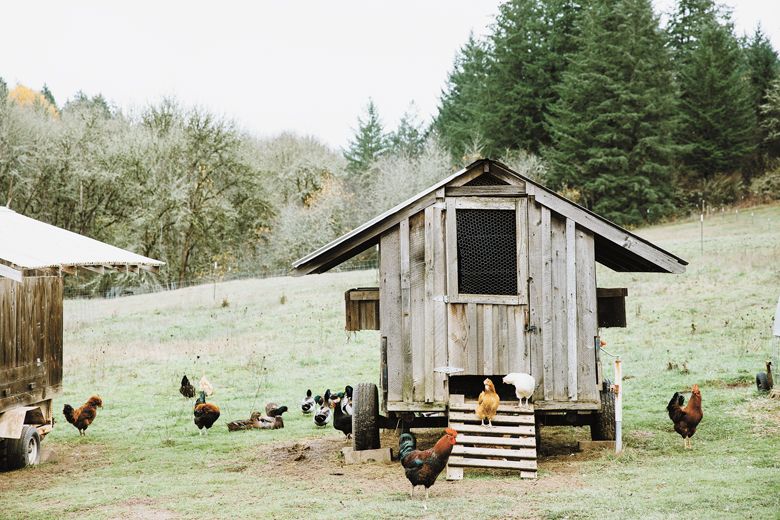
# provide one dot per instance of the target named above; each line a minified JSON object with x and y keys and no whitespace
{"x":487,"y":404}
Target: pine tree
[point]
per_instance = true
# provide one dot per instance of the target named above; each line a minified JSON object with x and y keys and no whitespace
{"x":368,"y":144}
{"x":686,"y":25}
{"x":459,"y":119}
{"x":770,"y":120}
{"x":409,"y":138}
{"x":612,"y":127}
{"x":717,"y":121}
{"x":46,"y":93}
{"x":763,"y":67}
{"x":530,"y":46}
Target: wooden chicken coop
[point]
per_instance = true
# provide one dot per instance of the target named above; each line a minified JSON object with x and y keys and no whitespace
{"x":33,"y":258}
{"x":484,"y":274}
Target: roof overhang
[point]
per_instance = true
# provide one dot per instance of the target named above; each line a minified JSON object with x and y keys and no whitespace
{"x":616,"y":247}
{"x":27,"y":244}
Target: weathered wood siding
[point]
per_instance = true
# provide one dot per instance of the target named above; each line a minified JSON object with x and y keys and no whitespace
{"x":30,"y":340}
{"x":562,"y":305}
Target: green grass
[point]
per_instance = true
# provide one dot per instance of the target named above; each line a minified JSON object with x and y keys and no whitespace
{"x":142,"y":458}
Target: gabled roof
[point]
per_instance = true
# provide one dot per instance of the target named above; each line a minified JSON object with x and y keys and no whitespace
{"x":616,"y":247}
{"x":26,"y":243}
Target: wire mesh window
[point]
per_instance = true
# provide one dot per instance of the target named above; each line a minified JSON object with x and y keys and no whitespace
{"x":487,"y":251}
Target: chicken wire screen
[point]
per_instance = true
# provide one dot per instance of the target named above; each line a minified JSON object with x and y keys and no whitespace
{"x":487,"y":251}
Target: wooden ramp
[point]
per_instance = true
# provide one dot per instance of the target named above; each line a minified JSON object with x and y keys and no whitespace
{"x":510,"y":444}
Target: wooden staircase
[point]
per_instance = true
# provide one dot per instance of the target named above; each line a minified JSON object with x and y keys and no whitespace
{"x":510,"y":444}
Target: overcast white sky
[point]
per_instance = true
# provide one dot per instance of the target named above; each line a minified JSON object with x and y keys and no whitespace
{"x":305,"y":66}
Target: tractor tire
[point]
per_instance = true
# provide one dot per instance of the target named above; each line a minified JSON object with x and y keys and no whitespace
{"x":602,"y":426}
{"x":365,"y":417}
{"x":25,"y":451}
{"x":762,"y":382}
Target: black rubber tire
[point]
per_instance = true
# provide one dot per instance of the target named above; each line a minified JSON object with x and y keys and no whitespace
{"x":25,"y":451}
{"x":602,"y":426}
{"x":365,"y":417}
{"x":762,"y":382}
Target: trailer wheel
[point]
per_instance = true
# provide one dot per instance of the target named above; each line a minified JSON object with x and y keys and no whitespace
{"x":602,"y":426}
{"x":365,"y":417}
{"x":25,"y":451}
{"x":762,"y":382}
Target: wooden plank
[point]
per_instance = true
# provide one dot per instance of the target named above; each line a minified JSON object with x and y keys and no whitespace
{"x":487,"y":340}
{"x":417,"y":319}
{"x":565,"y":406}
{"x":370,"y":294}
{"x":474,"y":340}
{"x":458,"y":336}
{"x":571,"y":308}
{"x":505,"y":190}
{"x":609,"y":231}
{"x":524,"y":453}
{"x":484,"y":203}
{"x":521,"y":232}
{"x":610,"y":292}
{"x":520,"y":442}
{"x":559,"y":307}
{"x":501,"y":340}
{"x":407,"y":381}
{"x":547,"y":305}
{"x":439,"y":307}
{"x":390,"y":310}
{"x":458,"y":461}
{"x":519,"y":430}
{"x":468,"y":176}
{"x":587,"y":316}
{"x":429,"y":329}
{"x":534,"y":323}
{"x":452,"y":249}
{"x":502,"y":408}
{"x":499,"y":419}
{"x":488,"y":299}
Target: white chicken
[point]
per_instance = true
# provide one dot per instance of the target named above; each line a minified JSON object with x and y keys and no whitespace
{"x":524,"y":386}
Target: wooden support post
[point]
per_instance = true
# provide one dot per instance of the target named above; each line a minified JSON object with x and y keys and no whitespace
{"x":618,"y":406}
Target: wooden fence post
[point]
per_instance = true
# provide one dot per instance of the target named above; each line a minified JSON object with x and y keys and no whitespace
{"x":618,"y":406}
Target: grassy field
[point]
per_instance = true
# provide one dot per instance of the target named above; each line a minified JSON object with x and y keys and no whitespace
{"x":261,"y":340}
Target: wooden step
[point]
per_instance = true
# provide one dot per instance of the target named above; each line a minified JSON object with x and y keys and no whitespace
{"x":502,"y":408}
{"x":495,"y":430}
{"x":462,"y":462}
{"x":498,"y":419}
{"x":523,"y":453}
{"x":521,"y":442}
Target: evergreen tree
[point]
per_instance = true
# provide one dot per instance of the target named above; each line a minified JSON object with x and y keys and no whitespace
{"x":368,"y":144}
{"x":763,"y":68}
{"x":530,"y":46}
{"x":770,"y":120}
{"x":717,"y":121}
{"x":409,"y":138}
{"x":48,"y":95}
{"x":3,"y":90}
{"x":612,"y":127}
{"x":686,"y":25}
{"x":459,"y":119}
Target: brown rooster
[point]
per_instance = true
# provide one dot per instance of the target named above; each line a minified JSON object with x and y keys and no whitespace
{"x":487,"y":404}
{"x":83,"y":416}
{"x":686,"y":419}
{"x":206,"y":414}
{"x":422,"y":467}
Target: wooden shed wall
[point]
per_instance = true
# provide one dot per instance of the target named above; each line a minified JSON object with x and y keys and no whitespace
{"x":30,"y":339}
{"x":551,"y":335}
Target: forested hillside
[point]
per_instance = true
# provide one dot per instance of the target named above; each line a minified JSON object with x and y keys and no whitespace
{"x":637,"y":121}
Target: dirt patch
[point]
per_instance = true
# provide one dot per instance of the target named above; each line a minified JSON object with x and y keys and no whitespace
{"x":60,"y":462}
{"x":742,"y":381}
{"x":311,"y":462}
{"x":139,"y":509}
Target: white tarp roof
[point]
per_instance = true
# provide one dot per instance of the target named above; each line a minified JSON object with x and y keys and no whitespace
{"x":26,"y":243}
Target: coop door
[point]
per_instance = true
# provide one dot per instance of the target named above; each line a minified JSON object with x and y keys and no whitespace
{"x":487,"y":296}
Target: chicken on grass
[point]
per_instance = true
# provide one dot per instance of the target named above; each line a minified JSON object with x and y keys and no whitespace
{"x":83,"y":416}
{"x":686,"y":419}
{"x":487,"y":404}
{"x":342,"y":420}
{"x":205,"y":414}
{"x":186,"y":389}
{"x":422,"y":467}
